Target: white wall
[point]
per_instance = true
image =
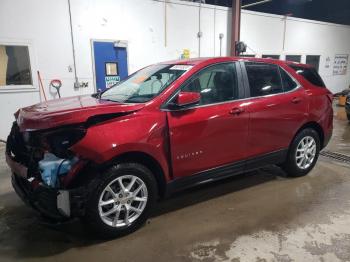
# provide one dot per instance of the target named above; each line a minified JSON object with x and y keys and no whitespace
{"x":263,"y":33}
{"x":44,"y":26}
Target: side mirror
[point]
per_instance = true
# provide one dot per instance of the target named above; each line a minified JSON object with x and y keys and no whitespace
{"x":185,"y":99}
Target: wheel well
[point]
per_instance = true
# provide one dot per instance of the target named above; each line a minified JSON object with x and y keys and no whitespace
{"x":316,"y":127}
{"x":149,"y":162}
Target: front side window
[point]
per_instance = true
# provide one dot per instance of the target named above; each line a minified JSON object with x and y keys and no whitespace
{"x":145,"y":84}
{"x":15,"y":67}
{"x":264,"y":79}
{"x":217,"y":83}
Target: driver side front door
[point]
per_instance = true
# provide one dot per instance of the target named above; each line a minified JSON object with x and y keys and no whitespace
{"x":214,"y":133}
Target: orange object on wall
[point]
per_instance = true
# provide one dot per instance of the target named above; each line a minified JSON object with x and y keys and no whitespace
{"x":3,"y":65}
{"x":342,"y":100}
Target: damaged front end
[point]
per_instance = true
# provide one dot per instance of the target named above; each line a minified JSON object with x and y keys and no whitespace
{"x":44,"y":169}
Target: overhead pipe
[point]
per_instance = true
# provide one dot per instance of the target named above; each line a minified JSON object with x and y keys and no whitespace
{"x":165,"y":24}
{"x":256,"y":3}
{"x":199,"y":34}
{"x":76,"y":81}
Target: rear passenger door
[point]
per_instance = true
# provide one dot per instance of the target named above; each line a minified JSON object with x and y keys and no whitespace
{"x":277,"y":108}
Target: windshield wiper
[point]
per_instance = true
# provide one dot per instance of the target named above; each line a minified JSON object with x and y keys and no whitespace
{"x":98,"y":94}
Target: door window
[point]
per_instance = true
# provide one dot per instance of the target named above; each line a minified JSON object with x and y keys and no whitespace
{"x":217,"y":83}
{"x":264,"y":79}
{"x":111,"y":69}
{"x":287,"y":81}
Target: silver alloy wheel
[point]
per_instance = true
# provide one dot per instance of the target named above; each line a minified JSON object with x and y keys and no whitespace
{"x":122,"y":201}
{"x":306,"y":152}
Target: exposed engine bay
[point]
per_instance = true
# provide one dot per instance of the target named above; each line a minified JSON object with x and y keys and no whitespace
{"x":44,"y":168}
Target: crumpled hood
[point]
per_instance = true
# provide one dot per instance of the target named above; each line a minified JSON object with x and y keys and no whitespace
{"x":66,"y":111}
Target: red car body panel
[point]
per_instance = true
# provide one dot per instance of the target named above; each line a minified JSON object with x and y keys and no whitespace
{"x":66,"y":111}
{"x":206,"y":136}
{"x":144,"y":132}
{"x":276,"y":121}
{"x":212,"y":135}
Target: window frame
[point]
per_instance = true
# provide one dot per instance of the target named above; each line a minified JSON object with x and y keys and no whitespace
{"x":32,"y":62}
{"x":240,"y":84}
{"x":246,"y":80}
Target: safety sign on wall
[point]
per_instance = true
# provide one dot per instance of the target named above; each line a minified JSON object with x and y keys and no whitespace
{"x":340,"y":64}
{"x":111,"y":81}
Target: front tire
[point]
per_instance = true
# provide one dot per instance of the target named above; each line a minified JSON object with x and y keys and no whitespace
{"x":122,"y":200}
{"x":303,"y":153}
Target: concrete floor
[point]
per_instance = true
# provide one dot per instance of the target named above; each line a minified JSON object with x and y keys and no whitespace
{"x":260,"y":216}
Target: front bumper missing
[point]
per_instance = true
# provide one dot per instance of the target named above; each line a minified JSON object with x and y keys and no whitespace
{"x":53,"y":203}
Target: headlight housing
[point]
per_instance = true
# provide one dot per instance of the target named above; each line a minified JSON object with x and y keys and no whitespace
{"x":60,"y":140}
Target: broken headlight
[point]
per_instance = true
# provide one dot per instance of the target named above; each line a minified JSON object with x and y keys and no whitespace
{"x":59,"y":141}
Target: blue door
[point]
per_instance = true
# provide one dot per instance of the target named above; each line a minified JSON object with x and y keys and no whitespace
{"x":111,"y":64}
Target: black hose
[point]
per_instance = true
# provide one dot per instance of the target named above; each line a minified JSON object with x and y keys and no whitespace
{"x":59,"y":167}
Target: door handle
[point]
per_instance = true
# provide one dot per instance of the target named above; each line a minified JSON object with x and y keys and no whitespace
{"x":236,"y":110}
{"x":296,"y":100}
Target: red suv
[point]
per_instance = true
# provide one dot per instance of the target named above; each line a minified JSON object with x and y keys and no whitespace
{"x":108,"y":157}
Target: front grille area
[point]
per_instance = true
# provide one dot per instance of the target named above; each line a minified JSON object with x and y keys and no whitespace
{"x":22,"y":153}
{"x":336,"y":156}
{"x":15,"y":146}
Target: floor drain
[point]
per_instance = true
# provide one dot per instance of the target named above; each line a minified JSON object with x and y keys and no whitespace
{"x":336,"y":156}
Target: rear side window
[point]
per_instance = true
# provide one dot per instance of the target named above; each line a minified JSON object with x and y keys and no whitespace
{"x":264,"y":79}
{"x":310,"y":74}
{"x":288,"y":82}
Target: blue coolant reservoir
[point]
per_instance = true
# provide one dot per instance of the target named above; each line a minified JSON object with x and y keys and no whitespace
{"x":51,"y":167}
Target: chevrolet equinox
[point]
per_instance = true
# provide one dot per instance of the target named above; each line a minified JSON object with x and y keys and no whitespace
{"x":106,"y":158}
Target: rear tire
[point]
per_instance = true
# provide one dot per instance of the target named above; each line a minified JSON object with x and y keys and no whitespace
{"x":303,"y":153}
{"x":122,"y":200}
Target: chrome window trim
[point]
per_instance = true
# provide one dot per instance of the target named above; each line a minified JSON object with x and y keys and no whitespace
{"x":226,"y":102}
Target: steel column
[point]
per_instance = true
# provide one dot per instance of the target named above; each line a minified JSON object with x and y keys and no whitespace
{"x":235,"y":25}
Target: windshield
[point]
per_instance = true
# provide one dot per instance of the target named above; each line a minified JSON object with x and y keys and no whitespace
{"x":145,"y":84}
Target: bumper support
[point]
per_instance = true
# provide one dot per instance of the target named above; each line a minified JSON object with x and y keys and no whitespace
{"x":52,"y":203}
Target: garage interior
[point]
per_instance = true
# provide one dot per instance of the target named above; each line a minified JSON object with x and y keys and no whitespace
{"x":60,"y":48}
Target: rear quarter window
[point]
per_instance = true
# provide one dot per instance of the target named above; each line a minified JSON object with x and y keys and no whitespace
{"x":310,"y":74}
